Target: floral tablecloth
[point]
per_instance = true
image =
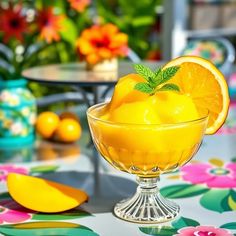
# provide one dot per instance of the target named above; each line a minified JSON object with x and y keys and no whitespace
{"x":205,"y":189}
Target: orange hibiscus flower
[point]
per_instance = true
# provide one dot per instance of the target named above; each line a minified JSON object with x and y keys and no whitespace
{"x":102,"y":42}
{"x":12,"y":23}
{"x":79,"y":5}
{"x":49,"y":24}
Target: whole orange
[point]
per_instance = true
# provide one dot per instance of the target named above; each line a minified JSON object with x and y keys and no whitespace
{"x":68,"y":130}
{"x":47,"y":123}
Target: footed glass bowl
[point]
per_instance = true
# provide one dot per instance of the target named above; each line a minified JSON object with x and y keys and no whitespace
{"x":146,"y":150}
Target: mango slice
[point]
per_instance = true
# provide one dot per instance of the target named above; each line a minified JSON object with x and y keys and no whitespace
{"x":43,"y":195}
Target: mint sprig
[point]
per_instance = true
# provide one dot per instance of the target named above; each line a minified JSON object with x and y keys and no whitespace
{"x":156,"y":80}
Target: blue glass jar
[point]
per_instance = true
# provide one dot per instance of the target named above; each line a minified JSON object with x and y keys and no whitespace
{"x":17,"y":113}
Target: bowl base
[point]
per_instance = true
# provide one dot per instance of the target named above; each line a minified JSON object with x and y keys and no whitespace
{"x":147,"y":206}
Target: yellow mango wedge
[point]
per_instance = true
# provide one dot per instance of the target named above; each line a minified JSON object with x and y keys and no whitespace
{"x":43,"y":195}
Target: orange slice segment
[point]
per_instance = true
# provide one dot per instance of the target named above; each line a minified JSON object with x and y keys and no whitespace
{"x":205,"y":84}
{"x":43,"y":195}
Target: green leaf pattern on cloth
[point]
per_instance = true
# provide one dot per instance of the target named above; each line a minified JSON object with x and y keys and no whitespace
{"x":46,"y":228}
{"x":231,"y":225}
{"x":188,"y":224}
{"x":183,"y":222}
{"x":232,"y":200}
{"x":215,"y":187}
{"x":183,"y":190}
{"x":216,"y":200}
{"x":69,"y":215}
{"x":43,"y":169}
{"x":158,"y":231}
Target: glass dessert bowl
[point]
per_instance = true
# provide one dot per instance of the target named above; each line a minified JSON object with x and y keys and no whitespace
{"x":146,"y":150}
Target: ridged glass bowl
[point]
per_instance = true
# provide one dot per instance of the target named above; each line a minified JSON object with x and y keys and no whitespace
{"x":146,"y":150}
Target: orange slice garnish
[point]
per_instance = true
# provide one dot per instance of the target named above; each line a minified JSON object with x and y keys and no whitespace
{"x":205,"y":84}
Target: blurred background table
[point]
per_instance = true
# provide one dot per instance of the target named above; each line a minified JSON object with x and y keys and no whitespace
{"x":76,"y":75}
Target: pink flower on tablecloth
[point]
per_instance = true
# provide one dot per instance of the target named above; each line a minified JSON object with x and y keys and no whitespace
{"x":11,"y":212}
{"x":226,"y":130}
{"x":12,"y":216}
{"x":6,"y":169}
{"x":203,"y":231}
{"x":212,"y":176}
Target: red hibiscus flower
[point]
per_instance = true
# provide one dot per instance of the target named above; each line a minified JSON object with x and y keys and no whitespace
{"x":12,"y":23}
{"x":49,"y":25}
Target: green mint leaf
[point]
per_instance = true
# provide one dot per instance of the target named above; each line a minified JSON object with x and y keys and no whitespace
{"x":168,"y":73}
{"x":144,"y":71}
{"x":157,"y":77}
{"x":144,"y":87}
{"x":169,"y":87}
{"x":152,"y":82}
{"x":157,"y":72}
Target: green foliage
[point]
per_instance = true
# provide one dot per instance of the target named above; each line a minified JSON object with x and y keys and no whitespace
{"x":134,"y":18}
{"x":33,"y":50}
{"x":70,"y":32}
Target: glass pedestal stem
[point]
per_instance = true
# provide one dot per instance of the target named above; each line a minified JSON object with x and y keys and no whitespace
{"x":147,"y":205}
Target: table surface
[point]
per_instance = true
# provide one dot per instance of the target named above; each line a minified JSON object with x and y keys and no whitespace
{"x":206,"y":198}
{"x":76,"y":73}
{"x":205,"y":191}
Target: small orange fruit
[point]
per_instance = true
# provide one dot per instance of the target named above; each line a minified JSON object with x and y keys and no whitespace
{"x":47,"y":123}
{"x":68,"y":130}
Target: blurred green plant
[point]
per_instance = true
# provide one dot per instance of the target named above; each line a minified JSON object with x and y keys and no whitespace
{"x":138,"y":20}
{"x":40,"y":32}
{"x":36,"y":33}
